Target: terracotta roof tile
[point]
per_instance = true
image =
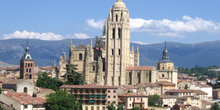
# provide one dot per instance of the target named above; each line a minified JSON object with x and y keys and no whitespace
{"x":131,"y":94}
{"x":147,"y":85}
{"x":200,"y":92}
{"x":138,"y":68}
{"x":88,"y":86}
{"x":167,"y":96}
{"x":24,"y":98}
{"x":165,"y":83}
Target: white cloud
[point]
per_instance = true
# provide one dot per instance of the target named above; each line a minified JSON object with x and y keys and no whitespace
{"x":96,"y":24}
{"x":32,"y":35}
{"x":81,"y":36}
{"x":167,"y":27}
{"x":139,"y":42}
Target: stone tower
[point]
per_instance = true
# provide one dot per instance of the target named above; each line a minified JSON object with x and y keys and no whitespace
{"x":26,"y":65}
{"x":166,"y":68}
{"x":118,"y":44}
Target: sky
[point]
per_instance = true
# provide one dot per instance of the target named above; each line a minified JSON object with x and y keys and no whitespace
{"x":151,"y":21}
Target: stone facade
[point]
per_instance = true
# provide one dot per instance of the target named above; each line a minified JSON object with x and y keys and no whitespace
{"x":110,"y":61}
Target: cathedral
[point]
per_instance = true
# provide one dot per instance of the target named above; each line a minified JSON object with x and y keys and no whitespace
{"x":111,"y":61}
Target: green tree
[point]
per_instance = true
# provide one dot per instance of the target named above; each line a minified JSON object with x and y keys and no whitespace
{"x":45,"y":81}
{"x":1,"y":108}
{"x":0,"y":90}
{"x":73,"y":78}
{"x":112,"y":107}
{"x":154,"y":100}
{"x":135,"y":108}
{"x":215,"y":106}
{"x":61,"y":100}
{"x":186,"y":86}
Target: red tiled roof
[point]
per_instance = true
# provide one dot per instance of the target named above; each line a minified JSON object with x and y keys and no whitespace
{"x":147,"y":68}
{"x":165,"y":83}
{"x":129,"y":87}
{"x":131,"y":94}
{"x":179,"y":91}
{"x":88,"y":86}
{"x":147,"y":84}
{"x":200,"y":92}
{"x":24,"y":98}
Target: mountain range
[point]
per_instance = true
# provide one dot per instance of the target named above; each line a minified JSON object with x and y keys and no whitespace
{"x":45,"y":52}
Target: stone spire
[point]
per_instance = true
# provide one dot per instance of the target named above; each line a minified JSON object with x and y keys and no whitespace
{"x":27,"y":55}
{"x":165,"y":57}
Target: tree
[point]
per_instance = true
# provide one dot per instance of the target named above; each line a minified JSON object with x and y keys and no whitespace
{"x":61,"y":100}
{"x":73,"y":78}
{"x":112,"y":107}
{"x":45,"y":81}
{"x":186,"y":86}
{"x":135,"y":108}
{"x":215,"y":106}
{"x":1,"y":108}
{"x":154,"y":100}
{"x":0,"y":90}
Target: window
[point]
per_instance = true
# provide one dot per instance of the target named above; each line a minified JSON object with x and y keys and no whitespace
{"x":26,"y":70}
{"x":29,"y":70}
{"x":113,"y":33}
{"x":119,"y":33}
{"x":31,"y":65}
{"x":163,"y":68}
{"x":80,"y":56}
{"x":109,"y":96}
{"x":28,"y":64}
{"x":25,"y":90}
{"x":93,"y":68}
{"x":26,"y":76}
{"x":25,"y":106}
{"x":114,"y":96}
{"x":162,"y":75}
{"x":30,"y":76}
{"x":114,"y":91}
{"x":112,"y":51}
{"x":109,"y":91}
{"x":25,"y":64}
{"x":119,"y":52}
{"x":116,"y":17}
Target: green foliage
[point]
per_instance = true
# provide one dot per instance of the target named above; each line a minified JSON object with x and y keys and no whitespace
{"x":45,"y":81}
{"x":135,"y":108}
{"x":112,"y":107}
{"x":73,"y":78}
{"x":1,"y":108}
{"x":199,"y":71}
{"x":215,"y":106}
{"x":154,"y":100}
{"x":186,"y":86}
{"x":0,"y":90}
{"x":61,"y":100}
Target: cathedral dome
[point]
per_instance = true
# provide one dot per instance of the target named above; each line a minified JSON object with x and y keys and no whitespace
{"x":119,"y":4}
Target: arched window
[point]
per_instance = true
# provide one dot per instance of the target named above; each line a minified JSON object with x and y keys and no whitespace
{"x":25,"y":90}
{"x":119,"y":33}
{"x":162,"y":75}
{"x":80,"y":56}
{"x":113,"y":33}
{"x":29,"y":70}
{"x":30,"y":76}
{"x":116,"y":18}
{"x":26,"y":76}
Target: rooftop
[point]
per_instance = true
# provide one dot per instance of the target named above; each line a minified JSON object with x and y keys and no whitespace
{"x":86,"y":86}
{"x":139,"y":68}
{"x":24,"y":98}
{"x":131,"y":94}
{"x":165,"y":83}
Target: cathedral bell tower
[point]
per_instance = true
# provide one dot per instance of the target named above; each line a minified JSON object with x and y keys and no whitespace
{"x":26,"y":65}
{"x":118,"y":44}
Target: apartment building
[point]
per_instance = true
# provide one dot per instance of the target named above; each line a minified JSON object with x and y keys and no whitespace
{"x":93,"y":97}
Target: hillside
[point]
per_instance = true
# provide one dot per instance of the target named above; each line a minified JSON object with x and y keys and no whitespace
{"x":44,"y":52}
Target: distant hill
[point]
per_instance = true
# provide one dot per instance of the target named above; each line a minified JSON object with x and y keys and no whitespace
{"x":44,"y":52}
{"x":3,"y":64}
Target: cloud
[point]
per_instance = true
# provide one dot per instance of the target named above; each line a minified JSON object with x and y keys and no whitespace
{"x":166,"y":27}
{"x":81,"y":36}
{"x":96,"y":24}
{"x":139,"y":42}
{"x":32,"y":35}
